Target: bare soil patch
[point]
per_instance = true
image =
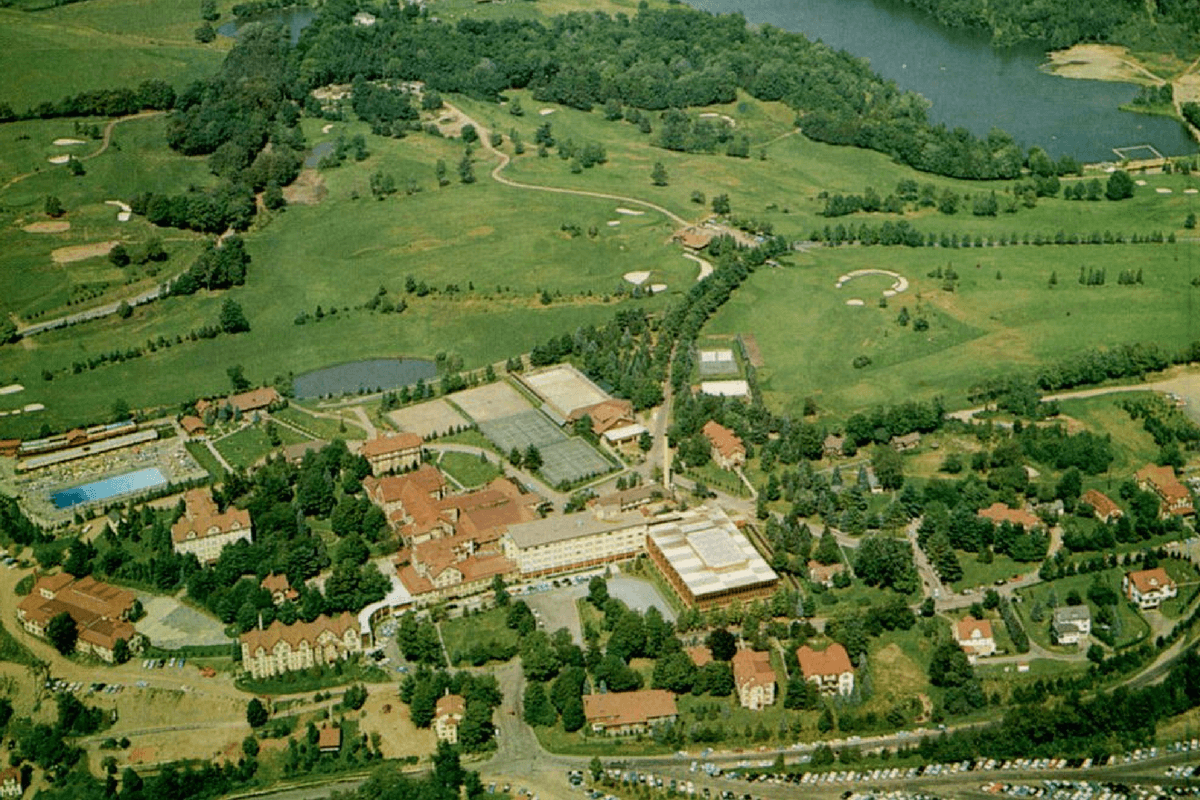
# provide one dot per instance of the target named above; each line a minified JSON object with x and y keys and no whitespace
{"x":398,"y":736}
{"x":431,"y":419}
{"x":1099,"y":62}
{"x":483,"y":230}
{"x":307,"y":190}
{"x":79,"y":252}
{"x":48,"y":226}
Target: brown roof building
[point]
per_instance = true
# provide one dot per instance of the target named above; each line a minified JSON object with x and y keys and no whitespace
{"x":727,"y":449}
{"x":204,"y":530}
{"x":1149,"y":587}
{"x":100,"y":612}
{"x":193,"y":426}
{"x":753,"y":678}
{"x":392,"y":453}
{"x":624,"y":713}
{"x":1105,"y":509}
{"x":329,"y":740}
{"x":448,"y":715}
{"x":606,"y":415}
{"x":1174,"y":496}
{"x":700,"y":655}
{"x":823,"y":573}
{"x":287,"y":648}
{"x":829,"y":669}
{"x":975,"y":636}
{"x":998,"y":512}
{"x":253,"y":400}
{"x":280,"y":588}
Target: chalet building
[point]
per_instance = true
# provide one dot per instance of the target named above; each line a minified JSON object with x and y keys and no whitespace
{"x":975,"y":637}
{"x":1102,"y":506}
{"x":453,"y":566}
{"x":100,"y":611}
{"x":193,"y":426}
{"x":1174,"y":497}
{"x":909,"y":441}
{"x":829,"y":669}
{"x":399,"y":451}
{"x":626,"y":500}
{"x":1072,"y":624}
{"x":280,"y":588}
{"x":287,"y":648}
{"x":626,"y":713}
{"x":255,"y":400}
{"x":329,"y":740}
{"x":448,"y":715}
{"x":753,"y":679}
{"x":998,"y":513}
{"x":728,"y":452}
{"x":1148,"y":588}
{"x":205,"y":531}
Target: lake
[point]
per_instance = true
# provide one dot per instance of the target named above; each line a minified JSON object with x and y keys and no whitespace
{"x":115,"y":486}
{"x":368,"y":376}
{"x":970,"y":83}
{"x":295,"y":19}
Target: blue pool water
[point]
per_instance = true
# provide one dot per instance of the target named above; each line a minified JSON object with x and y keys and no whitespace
{"x":109,"y":487}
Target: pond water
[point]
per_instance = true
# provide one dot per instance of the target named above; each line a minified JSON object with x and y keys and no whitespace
{"x":295,"y":19}
{"x":370,"y":376}
{"x":970,"y":83}
{"x":117,"y":485}
{"x":319,"y":151}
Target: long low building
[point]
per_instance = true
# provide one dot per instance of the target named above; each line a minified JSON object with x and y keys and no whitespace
{"x":625,"y":713}
{"x":708,"y":561}
{"x":572,"y":542}
{"x":100,"y":612}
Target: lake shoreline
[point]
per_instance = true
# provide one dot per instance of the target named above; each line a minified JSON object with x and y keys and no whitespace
{"x":1100,"y":62}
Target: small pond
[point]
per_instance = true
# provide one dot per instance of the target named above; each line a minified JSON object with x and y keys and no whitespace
{"x":295,"y":19}
{"x":363,"y":376}
{"x":115,"y":486}
{"x":319,"y":151}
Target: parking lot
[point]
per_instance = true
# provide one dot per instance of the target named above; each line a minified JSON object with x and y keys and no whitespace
{"x":555,"y":608}
{"x":170,"y":624}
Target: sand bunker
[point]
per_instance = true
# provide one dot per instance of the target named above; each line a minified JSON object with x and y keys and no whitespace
{"x":124,"y":212}
{"x":543,"y":112}
{"x":68,"y":142}
{"x":48,"y":226}
{"x":629,"y":212}
{"x":327,"y":128}
{"x":58,"y":159}
{"x":79,"y":252}
{"x":12,"y":388}
{"x":1191,"y":191}
{"x":637,"y":278}
{"x":1163,"y":190}
{"x":899,"y":285}
{"x":854,"y":301}
{"x":658,"y":287}
{"x":726,"y":117}
{"x":29,"y":409}
{"x":1140,"y":182}
{"x":612,"y":223}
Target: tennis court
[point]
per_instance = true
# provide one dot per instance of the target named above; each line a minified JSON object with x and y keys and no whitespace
{"x":491,"y":402}
{"x":521,"y":430}
{"x":570,"y":461}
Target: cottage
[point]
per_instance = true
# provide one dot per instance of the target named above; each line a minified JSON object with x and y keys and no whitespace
{"x":193,"y":426}
{"x":975,"y":637}
{"x":700,"y":655}
{"x":829,"y":669}
{"x":1072,"y":624}
{"x":10,"y":782}
{"x":998,"y":513}
{"x":329,"y":740}
{"x":754,"y":679}
{"x":909,"y":441}
{"x":728,"y":452}
{"x":204,"y":530}
{"x":1148,"y":588}
{"x":832,"y":446}
{"x":824,"y":573}
{"x":280,"y":588}
{"x":624,"y":713}
{"x":1103,"y":507}
{"x":448,"y":715}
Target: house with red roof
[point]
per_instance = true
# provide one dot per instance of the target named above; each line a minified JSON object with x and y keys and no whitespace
{"x":753,"y":678}
{"x":1102,"y":505}
{"x":830,"y":669}
{"x":392,"y":453}
{"x":448,"y":715}
{"x":728,"y":451}
{"x":1174,"y":497}
{"x":1148,"y":588}
{"x":975,"y":637}
{"x":625,"y":713}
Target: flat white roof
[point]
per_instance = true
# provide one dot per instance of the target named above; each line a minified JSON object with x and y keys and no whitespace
{"x":725,"y":388}
{"x":710,"y":555}
{"x":570,"y":526}
{"x":625,"y":432}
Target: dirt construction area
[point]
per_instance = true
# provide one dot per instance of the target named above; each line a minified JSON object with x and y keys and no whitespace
{"x":494,"y":401}
{"x":428,"y":420}
{"x":398,"y":736}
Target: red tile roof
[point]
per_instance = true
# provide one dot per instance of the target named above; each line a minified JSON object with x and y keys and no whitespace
{"x":329,"y":738}
{"x":724,"y":440}
{"x":1150,"y":580}
{"x":752,"y":668}
{"x":966,"y":627}
{"x":202,"y":518}
{"x":700,"y":655}
{"x":395,"y":443}
{"x":299,"y":631}
{"x":450,"y":705}
{"x":1101,"y":504}
{"x":833,"y":660}
{"x":193,"y":425}
{"x":998,"y":512}
{"x":615,"y":709}
{"x":97,"y":608}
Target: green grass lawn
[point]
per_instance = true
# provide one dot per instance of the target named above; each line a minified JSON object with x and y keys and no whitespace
{"x":1133,"y":627}
{"x":468,"y":469}
{"x":716,"y":478}
{"x":1133,"y":447}
{"x":976,"y":574}
{"x":206,"y":459}
{"x":1186,"y":578}
{"x":463,"y":633}
{"x":317,"y":427}
{"x":247,"y":446}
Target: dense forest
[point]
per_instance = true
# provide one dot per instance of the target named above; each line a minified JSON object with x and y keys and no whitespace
{"x":1062,"y":24}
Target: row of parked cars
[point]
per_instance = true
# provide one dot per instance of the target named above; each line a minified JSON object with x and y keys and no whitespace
{"x":71,"y":687}
{"x":1088,"y":790}
{"x":160,"y":663}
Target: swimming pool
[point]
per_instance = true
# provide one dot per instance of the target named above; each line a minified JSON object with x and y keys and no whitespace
{"x":109,"y":487}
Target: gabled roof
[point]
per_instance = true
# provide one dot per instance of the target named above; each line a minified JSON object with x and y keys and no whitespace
{"x":450,"y":705}
{"x":700,"y":655}
{"x":752,"y":668}
{"x":278,"y":582}
{"x":1101,"y":503}
{"x":629,"y":708}
{"x":386,"y":445}
{"x":998,"y":512}
{"x":969,"y":628}
{"x":1072,"y":613}
{"x":201,"y":518}
{"x":192,"y":425}
{"x":724,"y":440}
{"x":1150,"y":580}
{"x":329,"y":738}
{"x":833,"y":660}
{"x":299,"y":632}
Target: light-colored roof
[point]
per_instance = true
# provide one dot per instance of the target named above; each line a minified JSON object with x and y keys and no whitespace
{"x":1150,"y":580}
{"x":629,"y":708}
{"x":969,"y":628}
{"x":998,"y":512}
{"x":833,"y":660}
{"x":625,"y":432}
{"x":724,"y":440}
{"x":1072,"y":613}
{"x":752,"y":668}
{"x":709,"y":554}
{"x":386,"y":445}
{"x":732,"y":388}
{"x":450,"y":705}
{"x":557,"y":529}
{"x":201,"y":518}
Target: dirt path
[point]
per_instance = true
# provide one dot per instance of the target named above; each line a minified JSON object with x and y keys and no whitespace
{"x":485,"y":140}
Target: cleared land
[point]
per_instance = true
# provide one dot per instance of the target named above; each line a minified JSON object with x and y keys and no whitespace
{"x":493,"y":401}
{"x":428,"y":419}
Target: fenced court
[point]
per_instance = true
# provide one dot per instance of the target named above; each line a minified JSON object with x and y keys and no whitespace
{"x":717,"y":362}
{"x":572,"y":460}
{"x":490,"y":402}
{"x":564,"y":389}
{"x":428,"y":420}
{"x":521,"y":430}
{"x":1137,"y":152}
